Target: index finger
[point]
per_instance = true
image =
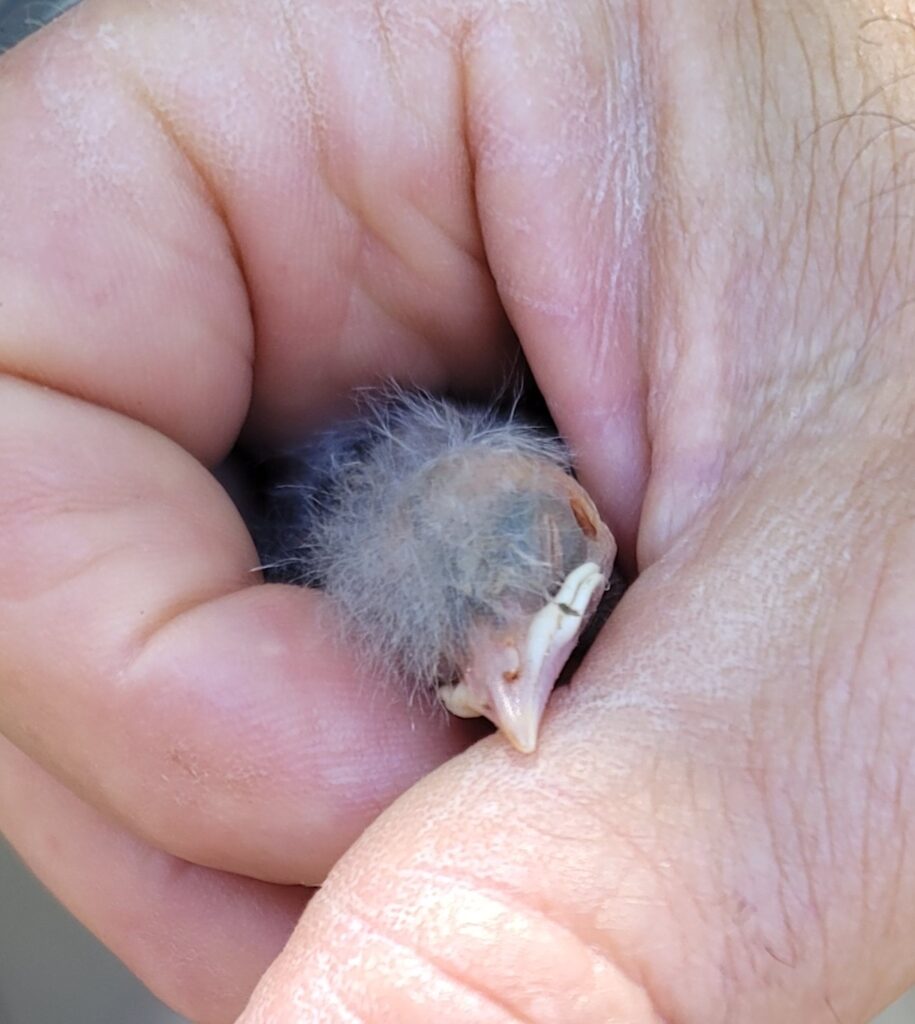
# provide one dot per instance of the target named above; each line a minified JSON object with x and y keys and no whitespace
{"x":144,"y":665}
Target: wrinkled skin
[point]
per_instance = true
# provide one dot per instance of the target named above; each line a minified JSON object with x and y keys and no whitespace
{"x":220,"y":216}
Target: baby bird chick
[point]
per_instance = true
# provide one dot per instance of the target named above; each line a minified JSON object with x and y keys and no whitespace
{"x":458,"y":547}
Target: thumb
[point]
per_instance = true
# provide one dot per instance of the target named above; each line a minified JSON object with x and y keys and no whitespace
{"x":714,"y":827}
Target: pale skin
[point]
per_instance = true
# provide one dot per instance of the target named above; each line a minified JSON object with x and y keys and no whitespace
{"x":697,"y":217}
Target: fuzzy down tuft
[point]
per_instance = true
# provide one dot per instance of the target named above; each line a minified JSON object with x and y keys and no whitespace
{"x":422,"y":517}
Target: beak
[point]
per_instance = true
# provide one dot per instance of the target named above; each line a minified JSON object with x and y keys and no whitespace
{"x":510,"y":681}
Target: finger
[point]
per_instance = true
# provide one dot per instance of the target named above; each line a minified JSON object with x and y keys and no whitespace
{"x":564,"y":169}
{"x":722,"y":795}
{"x":141,"y":662}
{"x":120,"y":279}
{"x":198,"y":938}
{"x":206,"y":195}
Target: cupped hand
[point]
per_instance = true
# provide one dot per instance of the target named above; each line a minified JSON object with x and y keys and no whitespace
{"x":216,"y":218}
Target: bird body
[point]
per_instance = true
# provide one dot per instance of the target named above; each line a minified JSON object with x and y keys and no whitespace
{"x":459,"y":549}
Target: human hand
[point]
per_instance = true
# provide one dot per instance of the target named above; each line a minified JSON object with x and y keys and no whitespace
{"x":695,"y":223}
